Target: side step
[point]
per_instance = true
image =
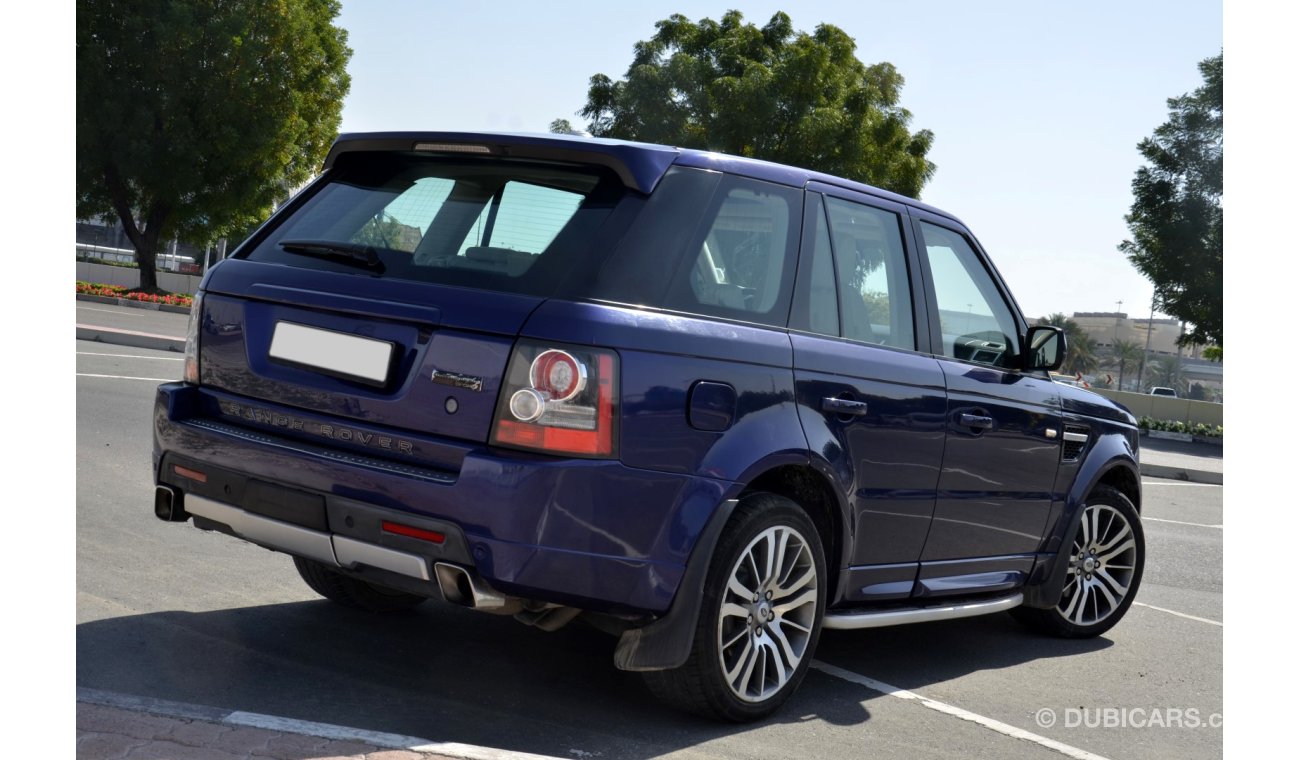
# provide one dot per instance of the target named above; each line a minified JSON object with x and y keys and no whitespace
{"x":882,"y":618}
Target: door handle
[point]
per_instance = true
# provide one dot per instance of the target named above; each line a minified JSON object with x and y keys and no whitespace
{"x":836,"y":405}
{"x":976,"y":421}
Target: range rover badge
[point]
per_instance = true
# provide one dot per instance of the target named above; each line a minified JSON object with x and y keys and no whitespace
{"x":457,"y":380}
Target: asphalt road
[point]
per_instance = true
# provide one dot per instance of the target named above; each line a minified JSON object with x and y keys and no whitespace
{"x":171,"y":612}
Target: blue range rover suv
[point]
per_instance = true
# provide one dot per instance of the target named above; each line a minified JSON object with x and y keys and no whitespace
{"x":710,"y":404}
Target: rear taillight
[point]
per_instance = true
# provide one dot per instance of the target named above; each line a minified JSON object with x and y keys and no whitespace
{"x":192,"y":340}
{"x":559,"y":400}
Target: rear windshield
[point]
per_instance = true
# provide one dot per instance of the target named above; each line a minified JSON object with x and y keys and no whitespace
{"x":513,"y":226}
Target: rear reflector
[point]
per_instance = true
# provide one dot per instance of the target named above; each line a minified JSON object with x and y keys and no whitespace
{"x":432,"y":536}
{"x":194,"y":475}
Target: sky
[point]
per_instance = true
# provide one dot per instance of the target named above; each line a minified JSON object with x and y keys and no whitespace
{"x":1037,"y":108}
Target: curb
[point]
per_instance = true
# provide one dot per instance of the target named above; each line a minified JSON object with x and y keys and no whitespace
{"x":131,"y":302}
{"x":131,"y":338}
{"x":184,"y":711}
{"x":1181,"y":473}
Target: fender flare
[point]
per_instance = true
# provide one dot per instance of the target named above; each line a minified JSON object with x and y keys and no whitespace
{"x":1044,"y":587}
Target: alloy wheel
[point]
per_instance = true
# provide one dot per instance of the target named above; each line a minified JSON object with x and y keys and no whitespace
{"x":767,"y":615}
{"x":1103,"y":560}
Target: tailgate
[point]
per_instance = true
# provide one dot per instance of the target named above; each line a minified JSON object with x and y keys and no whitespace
{"x":408,"y":356}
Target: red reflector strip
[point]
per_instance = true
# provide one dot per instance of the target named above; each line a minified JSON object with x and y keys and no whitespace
{"x":186,"y":472}
{"x":432,"y":536}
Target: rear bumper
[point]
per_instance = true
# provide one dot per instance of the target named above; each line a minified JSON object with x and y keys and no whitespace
{"x":590,"y":534}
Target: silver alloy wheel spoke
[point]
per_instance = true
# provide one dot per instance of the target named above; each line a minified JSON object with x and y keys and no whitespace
{"x":767,"y":614}
{"x":1101,"y":566}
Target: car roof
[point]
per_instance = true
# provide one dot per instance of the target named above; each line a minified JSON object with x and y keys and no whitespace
{"x":638,"y":165}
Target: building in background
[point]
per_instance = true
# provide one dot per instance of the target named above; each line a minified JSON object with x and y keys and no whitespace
{"x":1160,"y":338}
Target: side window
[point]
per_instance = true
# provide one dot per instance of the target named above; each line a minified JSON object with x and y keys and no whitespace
{"x":816,"y":308}
{"x":871,"y":270}
{"x":976,"y":323}
{"x":742,"y":257}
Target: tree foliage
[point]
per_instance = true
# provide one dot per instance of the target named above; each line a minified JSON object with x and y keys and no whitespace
{"x":1123,"y":354}
{"x":795,"y":98}
{"x":195,"y":116}
{"x":1176,"y":221}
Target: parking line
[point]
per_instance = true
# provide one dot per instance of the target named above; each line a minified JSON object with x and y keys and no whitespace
{"x":947,"y":709}
{"x":135,"y":356}
{"x":1179,"y":614}
{"x":1180,"y":522}
{"x":1180,"y":483}
{"x":125,"y":377}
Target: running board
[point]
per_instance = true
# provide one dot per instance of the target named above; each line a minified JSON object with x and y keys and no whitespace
{"x":882,"y":618}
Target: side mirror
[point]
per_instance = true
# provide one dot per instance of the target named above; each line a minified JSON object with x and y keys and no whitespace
{"x":1044,"y":348}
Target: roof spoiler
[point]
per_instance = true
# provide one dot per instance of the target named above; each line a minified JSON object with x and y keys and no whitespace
{"x":638,"y":165}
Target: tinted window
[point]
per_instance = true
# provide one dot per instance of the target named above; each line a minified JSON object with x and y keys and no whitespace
{"x":976,"y":323}
{"x":871,"y":270}
{"x":493,"y":224}
{"x":711,"y":244}
{"x":816,"y":307}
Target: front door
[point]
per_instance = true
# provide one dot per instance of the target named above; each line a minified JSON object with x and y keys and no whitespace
{"x":1003,"y":425}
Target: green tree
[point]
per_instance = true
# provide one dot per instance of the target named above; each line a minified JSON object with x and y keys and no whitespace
{"x":1176,"y":221}
{"x":1081,"y":349}
{"x":771,"y":93}
{"x":1123,"y":354}
{"x":195,"y":116}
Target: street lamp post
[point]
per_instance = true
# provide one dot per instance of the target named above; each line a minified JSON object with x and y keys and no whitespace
{"x":1142,"y":366}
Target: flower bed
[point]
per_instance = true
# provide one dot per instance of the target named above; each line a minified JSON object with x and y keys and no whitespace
{"x":118,"y":291}
{"x":1199,"y":429}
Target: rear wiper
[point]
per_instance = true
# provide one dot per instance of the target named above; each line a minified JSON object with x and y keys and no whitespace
{"x":347,"y":253}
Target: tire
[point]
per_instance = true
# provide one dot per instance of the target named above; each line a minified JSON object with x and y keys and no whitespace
{"x":1107,"y":555}
{"x":751,"y":652}
{"x":351,"y":592}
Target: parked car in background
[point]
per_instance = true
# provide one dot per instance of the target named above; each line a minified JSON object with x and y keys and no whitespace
{"x":1163,"y":391}
{"x":711,"y":404}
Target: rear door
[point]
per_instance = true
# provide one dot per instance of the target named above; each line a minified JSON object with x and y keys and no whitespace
{"x":1003,"y":425}
{"x":870,"y":398}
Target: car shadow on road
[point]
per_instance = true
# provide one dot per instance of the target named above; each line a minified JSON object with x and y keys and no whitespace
{"x":449,"y":674}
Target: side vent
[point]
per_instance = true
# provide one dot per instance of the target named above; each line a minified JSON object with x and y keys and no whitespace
{"x":1076,"y":440}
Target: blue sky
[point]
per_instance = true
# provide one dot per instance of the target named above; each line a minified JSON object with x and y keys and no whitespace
{"x":1037,"y":107}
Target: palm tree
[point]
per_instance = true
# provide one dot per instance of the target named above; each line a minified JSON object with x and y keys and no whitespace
{"x":1167,"y":371}
{"x":1081,"y":351}
{"x":1123,"y":354}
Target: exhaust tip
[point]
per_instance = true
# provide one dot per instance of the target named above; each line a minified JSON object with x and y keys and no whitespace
{"x":455,"y":584}
{"x":168,"y":504}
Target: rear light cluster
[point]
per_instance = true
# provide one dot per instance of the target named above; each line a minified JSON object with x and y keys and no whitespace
{"x":192,"y":340}
{"x":560,"y":400}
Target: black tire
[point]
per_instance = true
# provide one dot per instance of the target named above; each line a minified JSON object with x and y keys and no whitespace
{"x":1071,"y":618}
{"x":701,"y":686}
{"x":351,"y":592}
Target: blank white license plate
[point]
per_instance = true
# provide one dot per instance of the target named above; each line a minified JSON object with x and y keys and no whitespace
{"x":332,"y":352}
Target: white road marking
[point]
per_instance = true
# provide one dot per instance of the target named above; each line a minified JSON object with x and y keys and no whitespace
{"x":1180,"y":483}
{"x":1179,"y":614}
{"x":146,"y":313}
{"x":125,"y":377}
{"x":956,"y":712}
{"x":376,"y":738}
{"x":1180,"y":522}
{"x":134,"y":356}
